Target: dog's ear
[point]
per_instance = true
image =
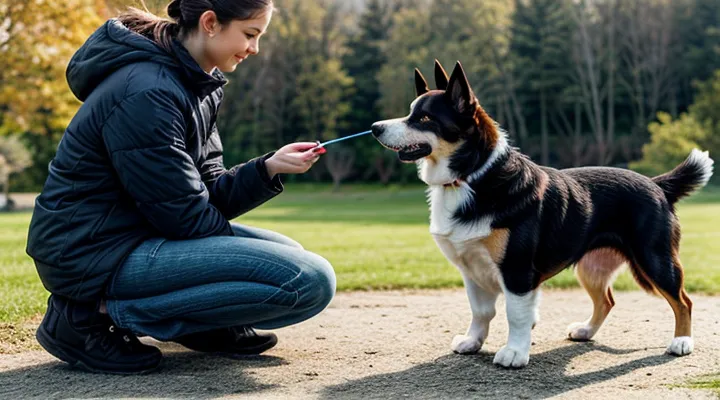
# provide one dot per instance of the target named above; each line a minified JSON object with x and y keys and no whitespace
{"x":421,"y":86}
{"x":441,"y":77}
{"x":459,"y":92}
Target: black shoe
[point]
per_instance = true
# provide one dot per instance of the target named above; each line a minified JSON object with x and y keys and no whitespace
{"x":82,"y":337}
{"x":236,"y":340}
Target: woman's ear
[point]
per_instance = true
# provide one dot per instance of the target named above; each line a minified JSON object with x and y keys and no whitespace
{"x":208,"y":23}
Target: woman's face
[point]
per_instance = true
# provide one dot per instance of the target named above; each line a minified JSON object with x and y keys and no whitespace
{"x":230,"y":44}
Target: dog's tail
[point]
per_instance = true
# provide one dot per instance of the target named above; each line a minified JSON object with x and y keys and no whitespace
{"x":691,"y":175}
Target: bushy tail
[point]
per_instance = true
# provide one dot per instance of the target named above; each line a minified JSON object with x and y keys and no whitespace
{"x":691,"y":175}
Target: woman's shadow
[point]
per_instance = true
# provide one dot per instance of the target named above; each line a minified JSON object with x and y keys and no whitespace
{"x":459,"y":377}
{"x":181,"y":375}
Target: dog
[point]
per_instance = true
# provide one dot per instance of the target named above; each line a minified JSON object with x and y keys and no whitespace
{"x":509,"y":224}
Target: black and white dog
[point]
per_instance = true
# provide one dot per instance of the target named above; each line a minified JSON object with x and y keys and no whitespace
{"x":509,"y":224}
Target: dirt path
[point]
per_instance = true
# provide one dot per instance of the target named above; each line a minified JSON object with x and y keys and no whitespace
{"x":396,"y":345}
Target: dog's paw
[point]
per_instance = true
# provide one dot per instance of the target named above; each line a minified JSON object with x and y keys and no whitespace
{"x":681,"y":346}
{"x":463,"y":344}
{"x":580,"y":331}
{"x":511,"y":358}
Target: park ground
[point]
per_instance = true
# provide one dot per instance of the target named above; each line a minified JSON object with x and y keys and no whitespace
{"x":387,"y":333}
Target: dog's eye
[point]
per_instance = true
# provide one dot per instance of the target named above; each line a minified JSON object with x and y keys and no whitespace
{"x":425,"y":119}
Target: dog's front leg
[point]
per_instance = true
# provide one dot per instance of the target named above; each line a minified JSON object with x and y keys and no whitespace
{"x":482,"y":304}
{"x":521,"y":315}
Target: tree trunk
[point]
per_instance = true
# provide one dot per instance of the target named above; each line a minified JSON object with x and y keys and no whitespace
{"x":577,"y":136}
{"x":545,"y":145}
{"x":339,"y":164}
{"x":610,"y":139}
{"x":385,"y":168}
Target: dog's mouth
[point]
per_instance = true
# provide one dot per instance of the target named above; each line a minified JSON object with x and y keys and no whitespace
{"x":412,"y":152}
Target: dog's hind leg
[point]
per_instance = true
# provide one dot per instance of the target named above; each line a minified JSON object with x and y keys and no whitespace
{"x":596,"y":272}
{"x":482,"y":304}
{"x":659,"y":269}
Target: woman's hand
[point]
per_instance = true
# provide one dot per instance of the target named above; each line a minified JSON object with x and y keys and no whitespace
{"x":294,"y":158}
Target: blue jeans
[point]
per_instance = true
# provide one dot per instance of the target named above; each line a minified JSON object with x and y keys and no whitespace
{"x":258,"y":278}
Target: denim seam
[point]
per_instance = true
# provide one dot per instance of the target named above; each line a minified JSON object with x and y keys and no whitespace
{"x":113,"y":305}
{"x":154,"y":251}
{"x":282,"y":287}
{"x":151,"y":254}
{"x":265,"y":260}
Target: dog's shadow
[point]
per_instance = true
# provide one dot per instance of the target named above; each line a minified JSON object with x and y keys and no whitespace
{"x":474,"y":376}
{"x":181,"y":375}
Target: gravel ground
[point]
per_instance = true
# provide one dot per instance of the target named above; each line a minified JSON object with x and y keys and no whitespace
{"x":390,"y":345}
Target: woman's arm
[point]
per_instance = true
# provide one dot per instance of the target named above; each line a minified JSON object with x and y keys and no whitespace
{"x":241,"y":188}
{"x":153,"y":166}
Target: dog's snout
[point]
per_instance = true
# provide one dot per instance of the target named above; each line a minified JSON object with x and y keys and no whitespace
{"x":377,"y":129}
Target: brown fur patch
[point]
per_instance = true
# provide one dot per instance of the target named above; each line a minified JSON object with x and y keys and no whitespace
{"x":496,"y":244}
{"x":486,"y":126}
{"x":679,"y":302}
{"x":595,"y":271}
{"x":542,"y":186}
{"x":443,"y":150}
{"x":682,"y":308}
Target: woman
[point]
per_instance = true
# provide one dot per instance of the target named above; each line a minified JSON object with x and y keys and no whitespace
{"x":130,"y":233}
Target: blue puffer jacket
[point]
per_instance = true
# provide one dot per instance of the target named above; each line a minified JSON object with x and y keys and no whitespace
{"x":141,"y":159}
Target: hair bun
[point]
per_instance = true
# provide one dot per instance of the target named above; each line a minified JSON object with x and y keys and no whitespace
{"x":174,"y":11}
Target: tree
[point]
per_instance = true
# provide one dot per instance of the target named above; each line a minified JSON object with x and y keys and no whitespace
{"x":363,"y":62}
{"x":540,"y":41}
{"x":406,"y":48}
{"x":697,"y":23}
{"x":321,"y":87}
{"x":594,"y":56}
{"x":671,"y":141}
{"x":37,"y":39}
{"x":648,"y":73}
{"x":706,"y":110}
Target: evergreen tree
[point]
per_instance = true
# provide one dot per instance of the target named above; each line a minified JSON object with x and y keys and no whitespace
{"x":541,"y":34}
{"x":363,"y":62}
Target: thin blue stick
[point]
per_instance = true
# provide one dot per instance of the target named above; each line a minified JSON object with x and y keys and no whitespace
{"x":343,"y":138}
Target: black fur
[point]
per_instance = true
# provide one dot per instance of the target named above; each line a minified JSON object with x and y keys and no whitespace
{"x":557,"y":216}
{"x":681,"y":181}
{"x":441,"y":77}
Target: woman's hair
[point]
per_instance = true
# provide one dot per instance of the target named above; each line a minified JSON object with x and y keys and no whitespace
{"x":185,"y":14}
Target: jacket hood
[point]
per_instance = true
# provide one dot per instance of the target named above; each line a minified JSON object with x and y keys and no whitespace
{"x":113,"y":46}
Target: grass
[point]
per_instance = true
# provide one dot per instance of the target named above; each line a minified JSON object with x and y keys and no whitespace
{"x":375,"y":238}
{"x":711,"y":382}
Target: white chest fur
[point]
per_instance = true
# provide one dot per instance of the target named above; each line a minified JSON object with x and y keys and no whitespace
{"x":464,"y":245}
{"x":443,"y":204}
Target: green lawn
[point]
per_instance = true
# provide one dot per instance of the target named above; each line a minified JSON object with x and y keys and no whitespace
{"x":375,"y":238}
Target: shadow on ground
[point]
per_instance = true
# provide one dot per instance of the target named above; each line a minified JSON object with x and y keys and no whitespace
{"x":455,"y":377}
{"x":182,"y":375}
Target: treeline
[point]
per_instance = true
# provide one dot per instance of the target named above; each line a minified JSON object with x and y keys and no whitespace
{"x":573,"y":82}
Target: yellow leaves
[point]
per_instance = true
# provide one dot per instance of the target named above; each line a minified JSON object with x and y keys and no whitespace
{"x":37,"y":39}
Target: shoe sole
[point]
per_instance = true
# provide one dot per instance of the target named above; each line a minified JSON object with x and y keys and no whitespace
{"x":64,"y":355}
{"x":253,"y":351}
{"x":247,"y":352}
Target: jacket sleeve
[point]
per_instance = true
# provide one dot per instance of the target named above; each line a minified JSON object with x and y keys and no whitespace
{"x":240,"y":189}
{"x":145,"y":139}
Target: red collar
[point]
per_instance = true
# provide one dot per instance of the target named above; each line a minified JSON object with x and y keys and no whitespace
{"x":454,"y":184}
